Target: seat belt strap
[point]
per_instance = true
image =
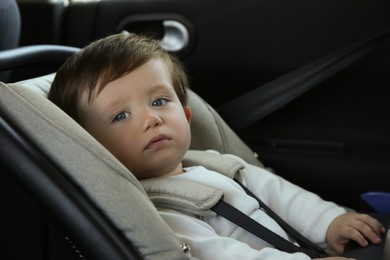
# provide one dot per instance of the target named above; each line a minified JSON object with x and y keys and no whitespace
{"x":302,"y":241}
{"x":258,"y":103}
{"x":240,"y":219}
{"x":237,"y":217}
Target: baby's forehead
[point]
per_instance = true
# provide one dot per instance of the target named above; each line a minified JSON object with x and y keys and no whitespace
{"x":109,"y":76}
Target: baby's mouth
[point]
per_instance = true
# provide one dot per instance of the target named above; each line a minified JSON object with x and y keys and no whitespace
{"x":158,"y":142}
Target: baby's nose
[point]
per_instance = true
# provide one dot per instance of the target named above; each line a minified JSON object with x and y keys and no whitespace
{"x":152,"y":120}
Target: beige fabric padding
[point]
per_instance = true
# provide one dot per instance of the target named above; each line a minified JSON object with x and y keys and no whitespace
{"x":183,"y":196}
{"x":209,"y":131}
{"x":113,"y":189}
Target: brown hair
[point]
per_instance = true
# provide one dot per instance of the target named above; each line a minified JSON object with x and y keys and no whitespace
{"x":91,"y":69}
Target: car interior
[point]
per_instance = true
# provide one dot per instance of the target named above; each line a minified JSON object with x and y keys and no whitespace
{"x":328,"y":134}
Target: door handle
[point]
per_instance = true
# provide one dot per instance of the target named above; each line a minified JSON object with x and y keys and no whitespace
{"x":176,"y":36}
{"x":174,"y":32}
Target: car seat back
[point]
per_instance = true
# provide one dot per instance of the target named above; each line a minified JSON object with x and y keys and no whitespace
{"x":91,"y":170}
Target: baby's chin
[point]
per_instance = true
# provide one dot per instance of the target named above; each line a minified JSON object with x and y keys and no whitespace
{"x":165,"y":163}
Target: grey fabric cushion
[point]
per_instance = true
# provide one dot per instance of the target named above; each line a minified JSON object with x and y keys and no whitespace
{"x":113,"y":189}
{"x":209,"y":131}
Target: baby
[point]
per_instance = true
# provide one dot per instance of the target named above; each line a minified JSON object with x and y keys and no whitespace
{"x":131,"y":96}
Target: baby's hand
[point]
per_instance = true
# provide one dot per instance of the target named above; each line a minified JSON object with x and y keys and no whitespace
{"x":353,"y":226}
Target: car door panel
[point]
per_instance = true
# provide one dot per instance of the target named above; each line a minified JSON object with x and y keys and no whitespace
{"x":334,"y":140}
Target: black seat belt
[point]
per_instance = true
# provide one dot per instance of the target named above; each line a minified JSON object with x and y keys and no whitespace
{"x":235,"y":216}
{"x":258,"y":103}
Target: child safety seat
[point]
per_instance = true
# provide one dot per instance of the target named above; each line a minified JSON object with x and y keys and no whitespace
{"x":90,"y":202}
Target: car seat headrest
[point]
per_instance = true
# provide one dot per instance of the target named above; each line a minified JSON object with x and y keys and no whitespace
{"x":209,"y":130}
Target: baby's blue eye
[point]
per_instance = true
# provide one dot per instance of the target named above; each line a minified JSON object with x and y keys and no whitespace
{"x":121,"y":116}
{"x":159,"y":102}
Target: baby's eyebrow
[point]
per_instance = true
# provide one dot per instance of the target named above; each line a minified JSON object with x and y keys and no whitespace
{"x":161,"y":87}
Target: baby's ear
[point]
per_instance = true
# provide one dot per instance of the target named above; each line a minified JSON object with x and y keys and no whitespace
{"x":188,"y":113}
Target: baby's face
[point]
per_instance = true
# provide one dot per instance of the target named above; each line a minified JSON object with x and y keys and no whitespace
{"x":141,"y":121}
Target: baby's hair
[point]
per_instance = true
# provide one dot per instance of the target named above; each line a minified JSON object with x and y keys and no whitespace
{"x":91,"y":69}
